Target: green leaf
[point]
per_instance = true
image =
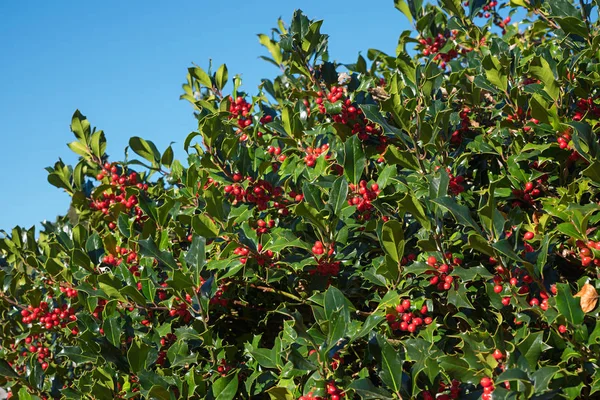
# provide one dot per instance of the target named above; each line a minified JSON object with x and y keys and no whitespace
{"x":134,"y":295}
{"x":567,"y":228}
{"x":201,"y":76}
{"x":368,"y":326}
{"x":148,"y":249}
{"x":204,"y":226}
{"x":76,"y":355}
{"x":461,"y":213}
{"x":412,"y":205}
{"x":511,"y":375}
{"x":79,"y":148}
{"x":457,"y":368}
{"x":542,"y":256}
{"x":312,"y":195}
{"x":504,"y":247}
{"x":145,"y":149}
{"x":221,"y":77}
{"x":494,"y":73}
{"x":264,"y":357}
{"x":167,"y":157}
{"x":544,"y":73}
{"x":98,"y":143}
{"x":367,"y":390}
{"x":403,"y":7}
{"x":80,"y":126}
{"x":6,"y":370}
{"x":112,"y":286}
{"x":273,"y":48}
{"x":392,"y":240}
{"x":404,"y":158}
{"x":454,"y":6}
{"x":196,"y":258}
{"x":225,"y":388}
{"x":335,"y":301}
{"x":354,"y":159}
{"x":159,"y":393}
{"x":542,"y":377}
{"x":391,"y":365}
{"x":280,"y":393}
{"x":137,"y":354}
{"x":124,"y":225}
{"x":112,"y":330}
{"x":532,"y":347}
{"x":568,"y":305}
{"x":338,"y":194}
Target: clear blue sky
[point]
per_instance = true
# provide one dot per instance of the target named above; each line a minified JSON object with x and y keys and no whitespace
{"x":122,"y":64}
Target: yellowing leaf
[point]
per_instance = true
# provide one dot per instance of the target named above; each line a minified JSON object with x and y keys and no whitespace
{"x":588,"y":297}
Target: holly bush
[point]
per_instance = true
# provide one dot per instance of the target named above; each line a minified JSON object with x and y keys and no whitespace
{"x":417,"y":225}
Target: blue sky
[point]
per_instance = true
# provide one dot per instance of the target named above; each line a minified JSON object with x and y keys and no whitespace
{"x":122,"y":64}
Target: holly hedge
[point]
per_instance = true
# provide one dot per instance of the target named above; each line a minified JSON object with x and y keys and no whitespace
{"x":418,"y":225}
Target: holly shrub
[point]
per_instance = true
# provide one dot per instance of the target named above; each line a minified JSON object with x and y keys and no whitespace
{"x":419,"y":225}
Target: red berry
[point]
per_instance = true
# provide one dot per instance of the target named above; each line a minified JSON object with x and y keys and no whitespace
{"x":528,"y":236}
{"x":498,"y":355}
{"x":485,"y":382}
{"x":498,"y":288}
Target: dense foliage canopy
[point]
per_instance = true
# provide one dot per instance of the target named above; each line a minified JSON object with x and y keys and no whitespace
{"x":417,"y":225}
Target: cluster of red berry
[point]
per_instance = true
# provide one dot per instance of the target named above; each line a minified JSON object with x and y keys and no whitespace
{"x":260,"y":193}
{"x":527,"y":195}
{"x":502,"y":24}
{"x":313,"y":153}
{"x":319,"y":248}
{"x":69,"y":292}
{"x":297,"y":197}
{"x":97,"y":313}
{"x":586,"y":252}
{"x":224,"y":368}
{"x":47,"y":318}
{"x":401,"y":318}
{"x":586,"y":106}
{"x":455,"y":186}
{"x":529,"y":81}
{"x":263,"y":226}
{"x":326,"y":268}
{"x":488,"y":388}
{"x":217,"y":298}
{"x":165,"y":343}
{"x":262,"y":258}
{"x":362,"y":196}
{"x":120,"y":182}
{"x":441,"y":271}
{"x":276,"y":152}
{"x":433,"y":45}
{"x":444,"y":392}
{"x":351,"y":115}
{"x":209,"y":183}
{"x":241,"y":110}
{"x":333,"y":393}
{"x":563,"y":141}
{"x":519,"y":278}
{"x":180,"y":308}
{"x":465,"y":122}
{"x":35,"y":344}
{"x":123,"y":255}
